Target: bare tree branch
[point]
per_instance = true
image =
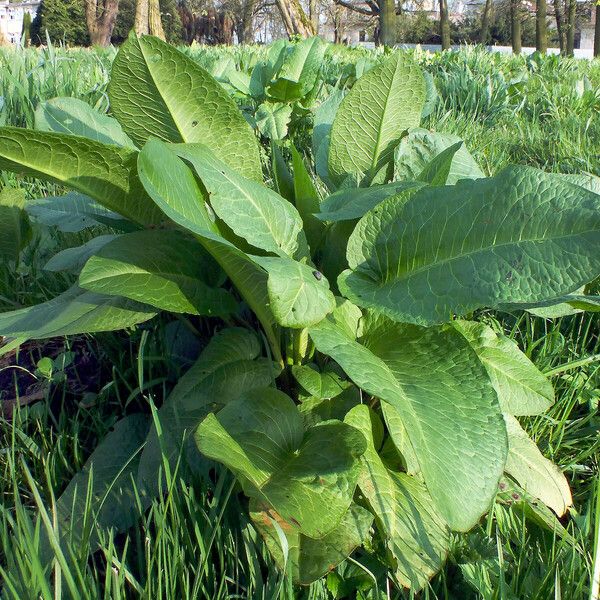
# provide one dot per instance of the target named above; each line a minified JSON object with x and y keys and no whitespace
{"x":357,"y":8}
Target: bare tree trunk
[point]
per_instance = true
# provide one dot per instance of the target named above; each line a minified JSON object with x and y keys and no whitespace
{"x":515,"y":25}
{"x":485,"y":22}
{"x":387,"y":22}
{"x":141,"y":17}
{"x":541,"y":31}
{"x":313,"y":13}
{"x":246,"y":30}
{"x":101,"y":20}
{"x":560,"y":26}
{"x":294,"y":18}
{"x":338,"y":24}
{"x":444,"y":25}
{"x":597,"y":30}
{"x":155,"y":26}
{"x":570,"y":34}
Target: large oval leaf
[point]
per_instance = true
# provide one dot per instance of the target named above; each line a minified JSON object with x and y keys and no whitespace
{"x":299,"y":71}
{"x":310,"y":559}
{"x":353,"y":203}
{"x":262,"y":439}
{"x":108,"y":174}
{"x":172,"y":185}
{"x":522,"y":389}
{"x":228,"y":367}
{"x":416,"y":151}
{"x":533,"y":471}
{"x":253,"y":211}
{"x":73,"y":312}
{"x":299,"y":296}
{"x":523,"y":236}
{"x":165,"y":269}
{"x":15,"y":230}
{"x":418,"y":536}
{"x":298,"y":300}
{"x":373,"y":116}
{"x":76,"y":117}
{"x":155,"y":90}
{"x":447,"y":404}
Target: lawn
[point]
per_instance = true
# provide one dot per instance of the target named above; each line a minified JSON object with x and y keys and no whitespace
{"x":61,"y":397}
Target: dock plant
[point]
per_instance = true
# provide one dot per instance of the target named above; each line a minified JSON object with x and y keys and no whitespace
{"x":352,"y":385}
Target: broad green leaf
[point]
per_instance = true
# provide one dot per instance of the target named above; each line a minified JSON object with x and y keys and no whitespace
{"x":299,"y":296}
{"x":311,"y":559}
{"x":296,"y":294}
{"x":15,"y":230}
{"x":76,"y":117}
{"x":431,"y":95}
{"x":106,"y":485}
{"x":418,"y":536}
{"x":75,"y":212}
{"x":105,"y":173}
{"x":520,"y":237}
{"x":299,"y":71}
{"x":437,"y":170}
{"x":421,"y":146}
{"x":522,"y":389}
{"x":253,"y":211}
{"x":307,"y":201}
{"x":525,"y":505}
{"x":321,"y":384}
{"x":535,"y":473}
{"x":562,"y":306}
{"x":400,"y":439}
{"x":73,"y":312}
{"x":272,"y":120}
{"x":353,"y":203}
{"x":584,"y":302}
{"x":74,"y":259}
{"x":239,"y":80}
{"x":227,"y":368}
{"x":321,"y":135}
{"x":315,"y":410}
{"x":165,"y":269}
{"x":373,"y":116}
{"x":156,"y":91}
{"x":333,"y":259}
{"x":173,"y":187}
{"x":284,"y":182}
{"x":587,"y":180}
{"x":435,"y":382}
{"x":261,"y":438}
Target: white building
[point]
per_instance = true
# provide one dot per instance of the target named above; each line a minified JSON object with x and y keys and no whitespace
{"x":11,"y":18}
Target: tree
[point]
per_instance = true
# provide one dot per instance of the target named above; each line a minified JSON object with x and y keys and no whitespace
{"x":64,"y":20}
{"x":26,"y":32}
{"x":295,"y":20}
{"x":541,"y":32}
{"x":100,"y":16}
{"x":597,"y":30}
{"x":444,"y":25}
{"x":565,"y":11}
{"x":147,"y":19}
{"x":485,"y":22}
{"x":313,"y":14}
{"x":387,"y":22}
{"x":515,"y":25}
{"x":385,"y":11}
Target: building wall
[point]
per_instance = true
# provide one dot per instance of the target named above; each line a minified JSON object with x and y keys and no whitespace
{"x":11,"y":18}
